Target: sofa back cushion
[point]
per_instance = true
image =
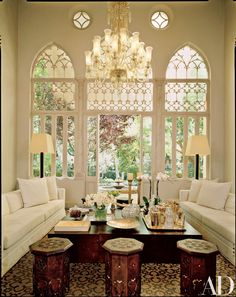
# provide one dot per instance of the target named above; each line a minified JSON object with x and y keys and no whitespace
{"x":52,"y":187}
{"x":194,"y":190}
{"x":230,"y":204}
{"x":196,"y":187}
{"x":15,"y":201}
{"x":5,"y":206}
{"x":34,"y":191}
{"x":213,"y":194}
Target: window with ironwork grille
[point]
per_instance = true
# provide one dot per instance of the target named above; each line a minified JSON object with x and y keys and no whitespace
{"x":53,"y":109}
{"x":186,"y":110}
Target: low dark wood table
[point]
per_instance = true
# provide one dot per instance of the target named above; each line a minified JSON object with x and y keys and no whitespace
{"x":159,"y":247}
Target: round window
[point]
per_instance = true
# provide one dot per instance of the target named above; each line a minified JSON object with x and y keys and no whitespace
{"x":81,"y":20}
{"x":159,"y":20}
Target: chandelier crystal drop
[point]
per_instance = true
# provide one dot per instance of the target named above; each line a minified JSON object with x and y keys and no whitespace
{"x":119,"y":57}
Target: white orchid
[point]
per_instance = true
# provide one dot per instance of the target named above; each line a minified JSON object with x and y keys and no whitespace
{"x":162,"y":176}
{"x":100,"y":200}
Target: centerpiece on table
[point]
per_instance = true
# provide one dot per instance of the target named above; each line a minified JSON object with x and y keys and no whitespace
{"x":99,"y":202}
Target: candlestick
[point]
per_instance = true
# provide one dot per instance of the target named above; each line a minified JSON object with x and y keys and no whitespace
{"x":129,"y":191}
{"x":139,"y":175}
{"x":130,"y":176}
{"x":139,"y":189}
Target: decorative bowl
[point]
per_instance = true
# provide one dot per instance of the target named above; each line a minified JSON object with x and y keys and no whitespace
{"x":75,"y":213}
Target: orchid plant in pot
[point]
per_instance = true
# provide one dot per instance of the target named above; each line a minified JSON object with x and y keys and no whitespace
{"x":160,"y":177}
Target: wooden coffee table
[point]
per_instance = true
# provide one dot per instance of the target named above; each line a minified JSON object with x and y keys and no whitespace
{"x":159,"y":247}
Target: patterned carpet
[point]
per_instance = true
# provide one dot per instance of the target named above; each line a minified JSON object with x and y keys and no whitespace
{"x":88,"y":279}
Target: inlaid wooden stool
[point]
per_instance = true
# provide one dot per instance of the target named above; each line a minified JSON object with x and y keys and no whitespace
{"x":197,"y":264}
{"x":51,"y":268}
{"x":123,"y":267}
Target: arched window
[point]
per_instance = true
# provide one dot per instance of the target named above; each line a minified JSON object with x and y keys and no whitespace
{"x":53,"y":109}
{"x":186,"y":110}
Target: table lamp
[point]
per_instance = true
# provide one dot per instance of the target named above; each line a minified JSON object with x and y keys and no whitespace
{"x":41,"y":143}
{"x":197,"y":145}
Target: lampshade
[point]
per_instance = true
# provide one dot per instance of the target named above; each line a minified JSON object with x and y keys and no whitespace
{"x":41,"y":143}
{"x":197,"y":144}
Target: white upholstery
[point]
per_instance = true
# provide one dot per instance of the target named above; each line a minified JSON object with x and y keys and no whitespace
{"x":25,"y":226}
{"x":217,"y":226}
{"x":18,"y":225}
{"x":52,"y":187}
{"x":213,"y":194}
{"x":169,"y":189}
{"x":33,"y":191}
{"x":194,"y":190}
{"x":230,"y":204}
{"x":14,"y":200}
{"x":5,"y":206}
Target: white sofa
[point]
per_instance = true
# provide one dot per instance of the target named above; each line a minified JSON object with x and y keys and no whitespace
{"x":22,"y":226}
{"x":217,"y":226}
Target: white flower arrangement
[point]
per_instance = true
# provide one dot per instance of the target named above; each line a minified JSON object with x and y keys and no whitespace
{"x":99,"y":200}
{"x":162,"y":176}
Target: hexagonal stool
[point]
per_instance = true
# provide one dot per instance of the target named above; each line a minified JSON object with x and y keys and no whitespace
{"x":197,"y":264}
{"x":123,"y":267}
{"x":51,"y":268}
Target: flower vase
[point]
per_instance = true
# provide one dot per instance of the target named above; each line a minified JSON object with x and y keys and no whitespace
{"x":101,"y":214}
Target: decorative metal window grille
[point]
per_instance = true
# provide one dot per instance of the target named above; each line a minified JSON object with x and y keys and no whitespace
{"x":185,"y":96}
{"x":54,"y":95}
{"x":185,"y":110}
{"x":54,"y":109}
{"x":159,"y":20}
{"x":130,"y":98}
{"x":81,"y":20}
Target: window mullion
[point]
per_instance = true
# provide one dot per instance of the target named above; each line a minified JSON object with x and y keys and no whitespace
{"x":185,"y":173}
{"x":174,"y":128}
{"x":54,"y":144}
{"x":65,"y":140}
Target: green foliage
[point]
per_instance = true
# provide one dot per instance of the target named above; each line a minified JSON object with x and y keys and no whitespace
{"x":146,"y":202}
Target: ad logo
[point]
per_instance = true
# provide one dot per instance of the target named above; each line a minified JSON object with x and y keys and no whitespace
{"x":209,"y":287}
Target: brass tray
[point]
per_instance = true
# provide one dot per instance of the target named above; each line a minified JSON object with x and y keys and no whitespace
{"x":147,"y":221}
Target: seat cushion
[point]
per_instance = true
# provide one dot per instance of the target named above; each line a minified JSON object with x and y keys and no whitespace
{"x":196,"y":210}
{"x":222,"y":222}
{"x":50,"y":208}
{"x":18,"y":224}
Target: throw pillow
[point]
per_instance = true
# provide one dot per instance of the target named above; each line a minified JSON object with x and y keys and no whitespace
{"x":52,"y":187}
{"x":34,"y":191}
{"x":5,"y":206}
{"x":194,"y":190}
{"x":15,"y":201}
{"x":213,"y":194}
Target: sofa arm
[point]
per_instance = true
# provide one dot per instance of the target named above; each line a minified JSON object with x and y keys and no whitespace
{"x":61,"y":192}
{"x":183,"y":195}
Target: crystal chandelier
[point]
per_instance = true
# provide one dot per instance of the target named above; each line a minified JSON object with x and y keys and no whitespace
{"x":119,"y":57}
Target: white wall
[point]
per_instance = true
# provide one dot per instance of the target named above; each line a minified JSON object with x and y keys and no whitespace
{"x":229,"y":141}
{"x":8,"y":31}
{"x":200,"y":23}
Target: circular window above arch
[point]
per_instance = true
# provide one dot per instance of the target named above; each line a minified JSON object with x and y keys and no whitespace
{"x":81,"y":20}
{"x":159,"y":20}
